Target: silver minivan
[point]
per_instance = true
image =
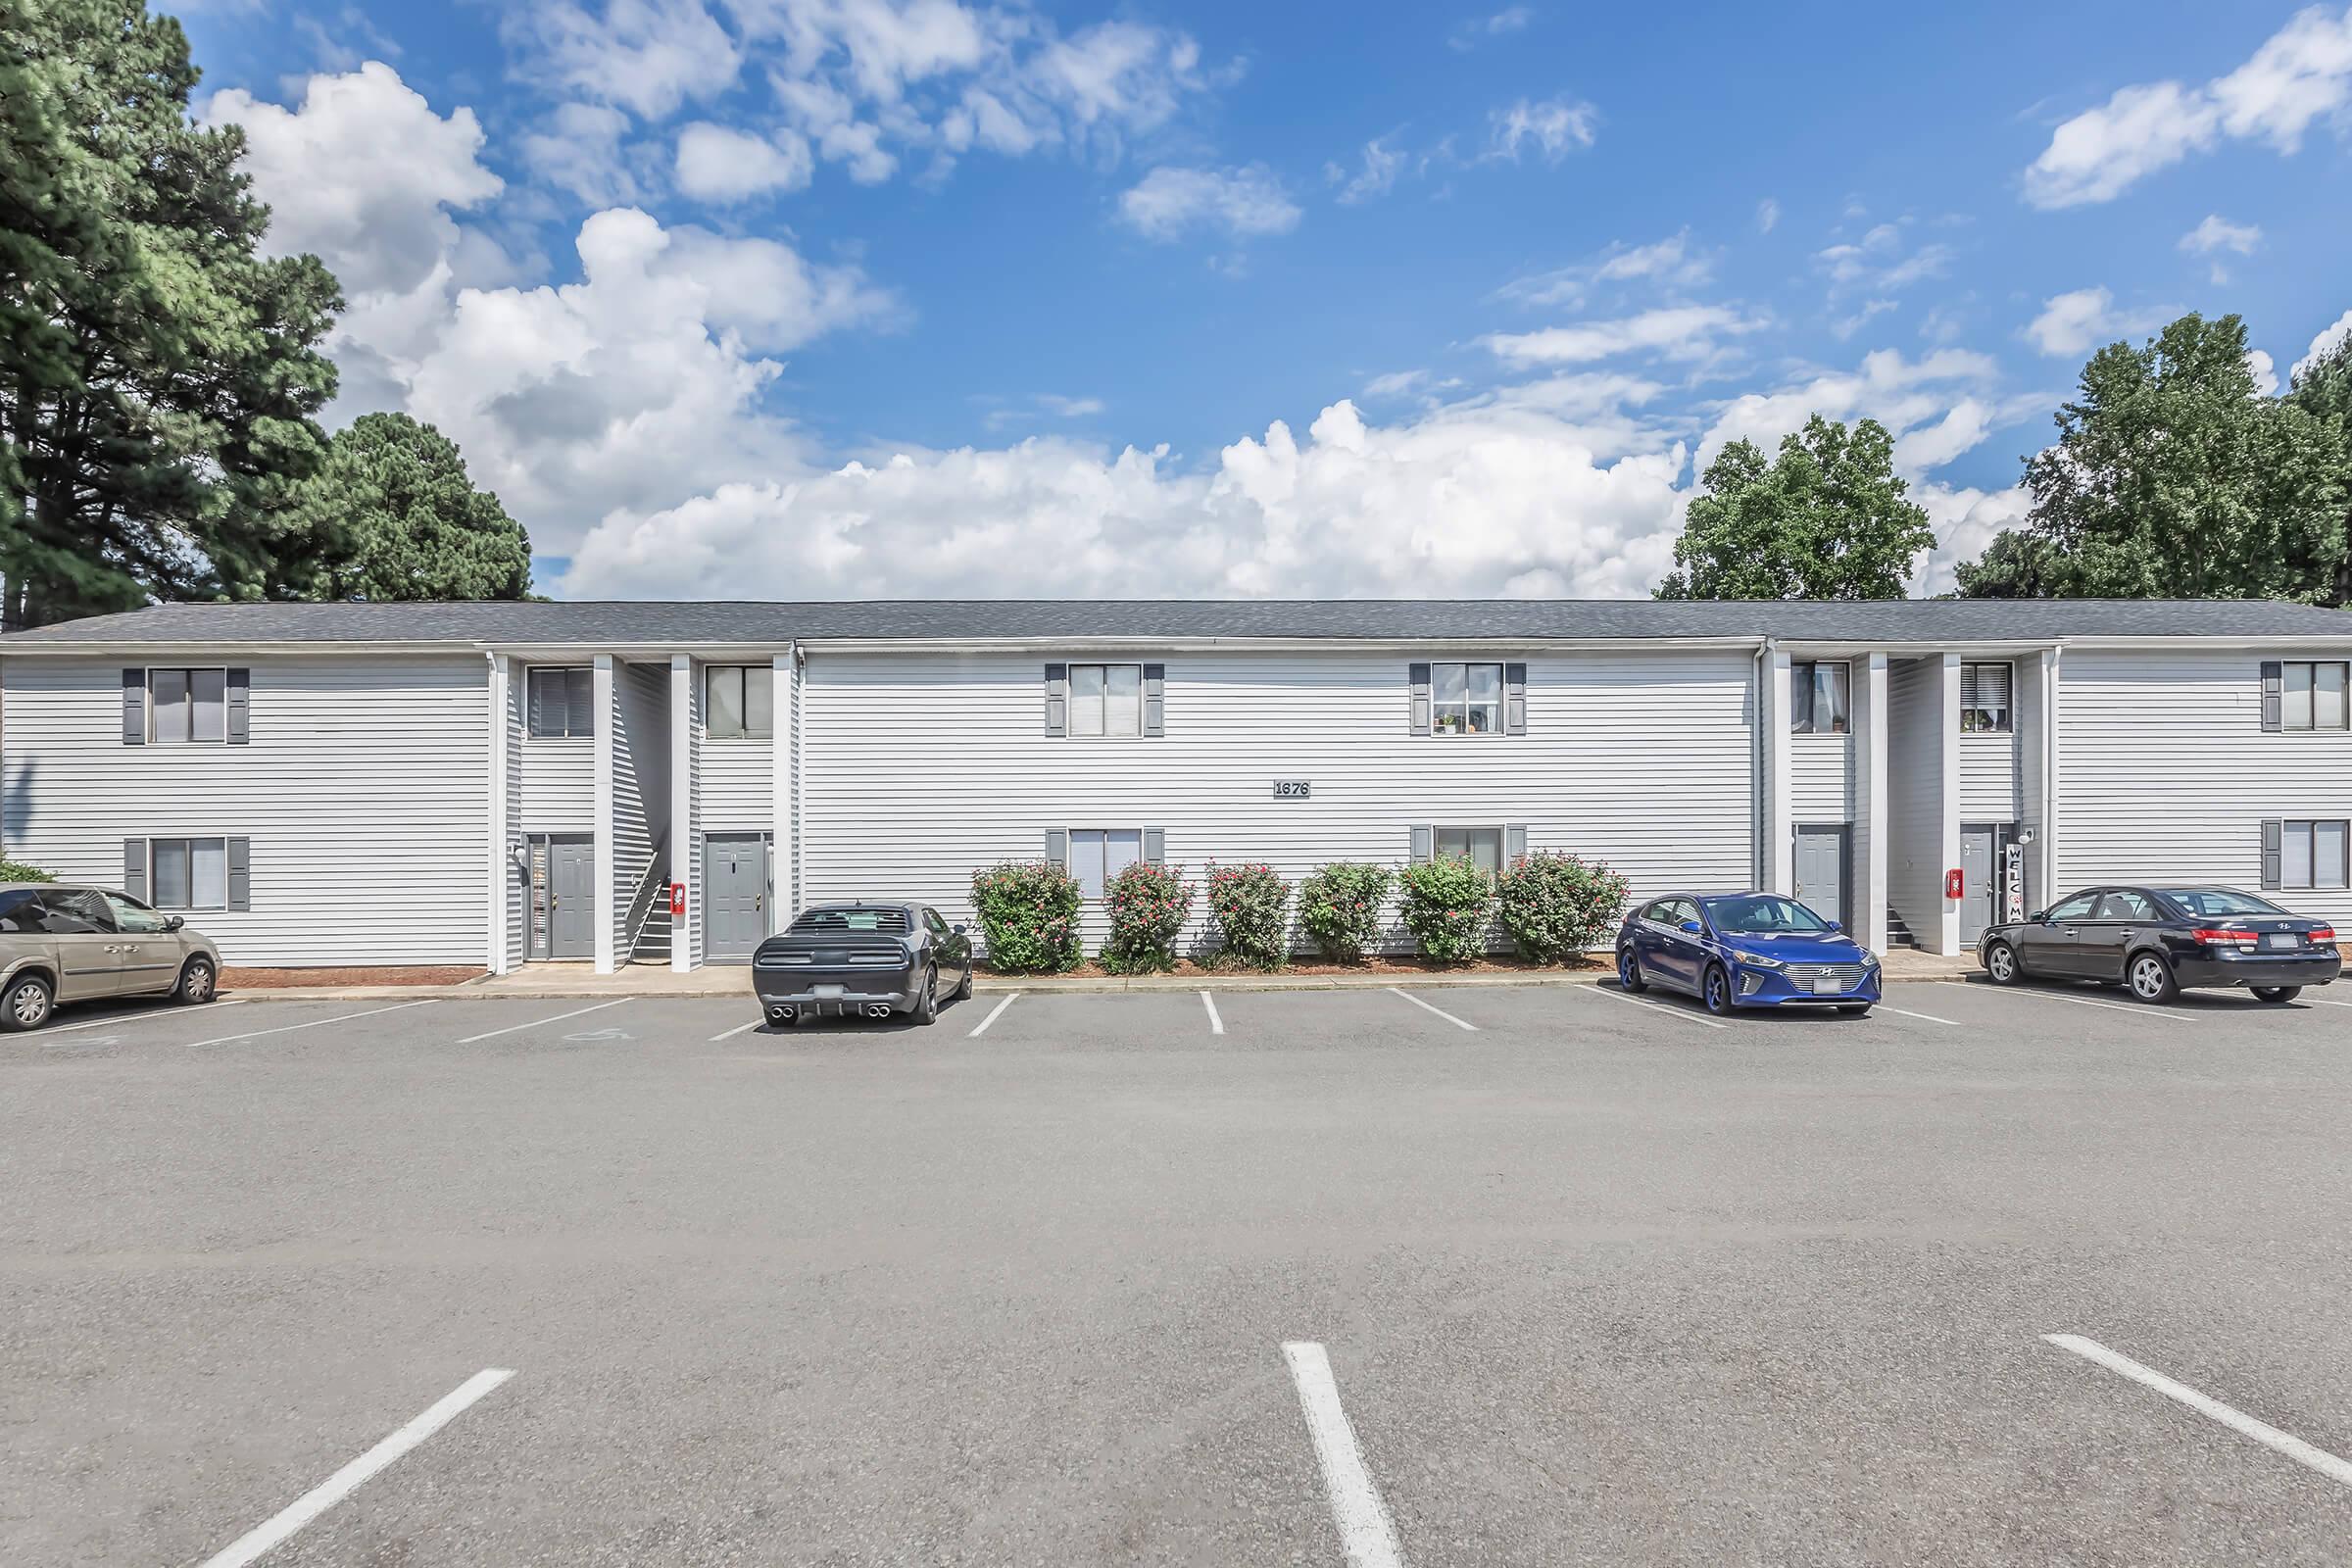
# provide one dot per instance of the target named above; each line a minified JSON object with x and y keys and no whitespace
{"x":59,"y":942}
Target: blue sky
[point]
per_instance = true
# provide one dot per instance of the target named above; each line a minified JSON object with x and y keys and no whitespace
{"x":851,"y":297}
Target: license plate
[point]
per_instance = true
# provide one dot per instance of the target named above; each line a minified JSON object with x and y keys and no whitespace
{"x":2279,"y":939}
{"x":1827,"y":985}
{"x":827,"y":993}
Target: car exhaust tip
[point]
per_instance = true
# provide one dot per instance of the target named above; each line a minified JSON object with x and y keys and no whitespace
{"x":877,"y":1010}
{"x":779,"y":1016}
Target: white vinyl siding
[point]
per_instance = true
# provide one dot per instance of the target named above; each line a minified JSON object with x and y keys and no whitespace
{"x":918,"y":768}
{"x":1820,"y":784}
{"x":1988,"y":784}
{"x":738,"y":782}
{"x":365,"y":793}
{"x":556,"y":775}
{"x":2165,"y":773}
{"x":1916,"y":735}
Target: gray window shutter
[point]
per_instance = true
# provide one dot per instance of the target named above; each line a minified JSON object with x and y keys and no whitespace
{"x":240,"y":874}
{"x":1514,"y":699}
{"x":240,"y":692}
{"x":1156,"y":680}
{"x":2274,"y":683}
{"x":1420,"y":836}
{"x":2273,"y":830}
{"x":135,"y":708}
{"x":1419,"y":676}
{"x":1058,"y":847}
{"x":1514,"y":843}
{"x":1156,"y":845}
{"x":134,"y":868}
{"x":1058,"y":699}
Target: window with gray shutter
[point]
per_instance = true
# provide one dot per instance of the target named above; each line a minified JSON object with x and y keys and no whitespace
{"x":1420,"y":846}
{"x":134,"y":868}
{"x":1417,"y":678}
{"x":1058,"y":699}
{"x":1058,"y":847}
{"x":2274,"y":682}
{"x":1514,"y":699}
{"x":1514,"y":843}
{"x":1156,"y":681}
{"x":2312,"y":696}
{"x":240,"y":702}
{"x":135,"y":708}
{"x":2273,"y":833}
{"x":1155,"y":846}
{"x":240,"y":875}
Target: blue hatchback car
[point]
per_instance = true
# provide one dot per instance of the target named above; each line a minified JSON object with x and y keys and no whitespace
{"x":1745,"y":949}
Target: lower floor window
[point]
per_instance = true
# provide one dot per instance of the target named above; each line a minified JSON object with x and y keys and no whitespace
{"x":190,"y":874}
{"x":1482,"y":847}
{"x":1097,"y":855}
{"x":2312,"y":854}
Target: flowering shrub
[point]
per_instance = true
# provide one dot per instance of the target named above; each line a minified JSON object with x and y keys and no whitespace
{"x":1340,"y":907}
{"x":1028,"y":916}
{"x":1449,"y":903}
{"x":19,"y":872}
{"x":1251,"y":905}
{"x":1148,"y":904}
{"x":1557,"y":906}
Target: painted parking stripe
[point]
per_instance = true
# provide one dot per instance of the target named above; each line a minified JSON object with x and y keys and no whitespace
{"x":732,"y":1032}
{"x":2325,"y":1001}
{"x":2238,"y":1421}
{"x":1216,"y":1025}
{"x":1924,"y":1018}
{"x":135,"y":1017}
{"x":536,"y":1022}
{"x":1672,"y":1012}
{"x":255,"y":1544}
{"x":289,"y":1028}
{"x":1458,"y":1023}
{"x":1366,"y":1531}
{"x":994,"y":1013}
{"x":2136,"y":1010}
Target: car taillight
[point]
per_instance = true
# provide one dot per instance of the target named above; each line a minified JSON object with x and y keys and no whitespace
{"x":2326,"y":932}
{"x":2219,"y":937}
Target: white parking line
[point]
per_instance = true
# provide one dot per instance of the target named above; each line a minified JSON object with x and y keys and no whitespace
{"x":2136,"y":1010}
{"x":2238,"y":1421}
{"x":2325,"y":1001}
{"x":251,"y":1547}
{"x":135,"y":1017}
{"x":732,"y":1032}
{"x":1366,"y":1531}
{"x":1440,"y":1011}
{"x":1924,"y":1018}
{"x":1671,"y":1012}
{"x":536,"y":1022}
{"x":289,"y":1028}
{"x":1216,"y":1025}
{"x":981,"y":1027}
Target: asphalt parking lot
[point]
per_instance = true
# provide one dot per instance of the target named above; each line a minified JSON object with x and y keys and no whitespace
{"x":1504,"y":1275}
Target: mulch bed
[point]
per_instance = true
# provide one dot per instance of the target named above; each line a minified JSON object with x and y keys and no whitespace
{"x":237,"y":977}
{"x":1313,"y":967}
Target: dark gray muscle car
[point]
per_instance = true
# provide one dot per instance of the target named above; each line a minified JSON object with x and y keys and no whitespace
{"x":868,"y":960}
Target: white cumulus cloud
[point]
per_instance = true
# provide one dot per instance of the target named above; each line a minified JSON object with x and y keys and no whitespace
{"x":1169,"y":201}
{"x":2074,"y":322}
{"x":720,"y":164}
{"x":2331,"y":338}
{"x":2301,"y":74}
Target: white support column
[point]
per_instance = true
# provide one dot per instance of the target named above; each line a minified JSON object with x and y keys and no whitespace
{"x":2044,"y":853}
{"x":1872,"y":831}
{"x":1780,"y":823}
{"x":685,"y":848}
{"x":784,"y":806}
{"x":501,"y":876}
{"x":605,"y":720}
{"x":1947,"y":936}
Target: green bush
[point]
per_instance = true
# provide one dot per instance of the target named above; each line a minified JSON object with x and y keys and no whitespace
{"x":1251,"y":905}
{"x":1339,"y":907}
{"x":1449,"y":905}
{"x":1147,"y":905}
{"x":1557,"y":907}
{"x":19,"y":872}
{"x":1028,"y":916}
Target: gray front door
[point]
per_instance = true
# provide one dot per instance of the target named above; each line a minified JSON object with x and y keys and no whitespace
{"x":1821,"y":870}
{"x":734,"y":894}
{"x":1980,"y":886}
{"x":572,"y":887}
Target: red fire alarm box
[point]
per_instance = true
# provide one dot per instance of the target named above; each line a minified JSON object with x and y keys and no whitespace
{"x":1953,"y":884}
{"x":677,"y":898}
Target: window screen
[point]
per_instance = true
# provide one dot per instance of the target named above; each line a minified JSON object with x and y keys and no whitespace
{"x":562,"y":702}
{"x":1482,"y":847}
{"x":2312,"y":696}
{"x":2312,"y":854}
{"x":1465,"y":699}
{"x":187,"y":705}
{"x":1097,"y":855}
{"x":742,"y":700}
{"x":1818,"y":698}
{"x":1985,"y":699}
{"x":189,"y":873}
{"x":1106,"y":699}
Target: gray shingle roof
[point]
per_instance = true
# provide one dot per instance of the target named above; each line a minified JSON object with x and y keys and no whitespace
{"x":650,"y":622}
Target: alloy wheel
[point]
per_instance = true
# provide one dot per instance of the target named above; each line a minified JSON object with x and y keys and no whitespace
{"x":2147,"y":979}
{"x":2001,"y":964}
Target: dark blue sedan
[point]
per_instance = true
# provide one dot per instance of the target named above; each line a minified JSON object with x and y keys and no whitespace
{"x":1745,"y":949}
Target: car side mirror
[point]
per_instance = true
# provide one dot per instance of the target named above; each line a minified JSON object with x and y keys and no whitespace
{"x":172,"y":922}
{"x":957,"y":930}
{"x":1691,"y":927}
{"x":1837,"y":925}
{"x":2037,"y":916}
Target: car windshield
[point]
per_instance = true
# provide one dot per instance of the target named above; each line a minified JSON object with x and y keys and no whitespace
{"x":2202,"y":901}
{"x":1761,"y":914}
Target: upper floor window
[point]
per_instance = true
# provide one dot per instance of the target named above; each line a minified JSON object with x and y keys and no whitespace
{"x":1465,"y":699}
{"x":561,"y":701}
{"x":741,"y":698}
{"x":1985,"y":699}
{"x":1819,"y":698}
{"x":2312,"y":696}
{"x":1106,"y":699}
{"x":187,"y":705}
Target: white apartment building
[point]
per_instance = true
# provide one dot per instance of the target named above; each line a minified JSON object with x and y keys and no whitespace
{"x":501,"y":784}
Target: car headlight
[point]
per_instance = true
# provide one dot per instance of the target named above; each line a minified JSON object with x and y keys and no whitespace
{"x":1762,"y":961}
{"x":1870,"y":960}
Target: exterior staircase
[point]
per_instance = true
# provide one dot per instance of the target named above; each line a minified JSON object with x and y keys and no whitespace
{"x":652,"y":937}
{"x":1899,"y":935}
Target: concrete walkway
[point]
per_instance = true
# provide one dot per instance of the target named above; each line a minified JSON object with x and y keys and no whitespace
{"x":567,"y":980}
